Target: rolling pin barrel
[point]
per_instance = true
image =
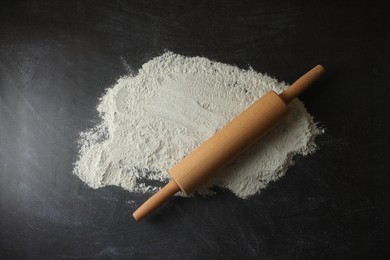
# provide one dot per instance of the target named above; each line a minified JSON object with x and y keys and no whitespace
{"x":230,"y":141}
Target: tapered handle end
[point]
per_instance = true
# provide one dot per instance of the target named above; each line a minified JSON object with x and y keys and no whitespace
{"x":156,"y":201}
{"x":302,"y":84}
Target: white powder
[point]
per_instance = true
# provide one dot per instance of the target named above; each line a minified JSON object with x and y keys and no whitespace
{"x":152,"y":120}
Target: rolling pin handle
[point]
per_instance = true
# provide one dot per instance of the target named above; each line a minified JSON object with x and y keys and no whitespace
{"x":302,"y":84}
{"x":156,"y":200}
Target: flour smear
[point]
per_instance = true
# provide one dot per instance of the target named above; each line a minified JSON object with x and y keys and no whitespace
{"x":153,"y":119}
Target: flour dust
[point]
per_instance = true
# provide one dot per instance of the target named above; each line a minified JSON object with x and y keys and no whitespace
{"x":153,"y":119}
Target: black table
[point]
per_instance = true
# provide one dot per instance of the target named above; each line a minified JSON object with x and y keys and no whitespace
{"x":57,"y":58}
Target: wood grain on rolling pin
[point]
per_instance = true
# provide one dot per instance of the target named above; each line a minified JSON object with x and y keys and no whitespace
{"x":229,"y":142}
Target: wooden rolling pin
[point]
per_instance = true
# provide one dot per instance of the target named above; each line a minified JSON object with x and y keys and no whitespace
{"x":227,"y":143}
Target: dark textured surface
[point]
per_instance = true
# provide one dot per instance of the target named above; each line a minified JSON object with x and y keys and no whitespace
{"x":56,"y":59}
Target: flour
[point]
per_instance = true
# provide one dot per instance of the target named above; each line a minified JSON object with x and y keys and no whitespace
{"x":152,"y":120}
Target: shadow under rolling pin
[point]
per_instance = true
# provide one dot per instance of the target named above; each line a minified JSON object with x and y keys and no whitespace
{"x":227,"y":143}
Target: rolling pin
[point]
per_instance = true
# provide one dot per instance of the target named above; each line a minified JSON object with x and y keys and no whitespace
{"x":235,"y":137}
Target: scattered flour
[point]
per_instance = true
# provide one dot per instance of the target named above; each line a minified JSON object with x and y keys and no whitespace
{"x":152,"y":120}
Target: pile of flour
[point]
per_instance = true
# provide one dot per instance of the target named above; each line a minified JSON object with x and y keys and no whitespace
{"x":153,"y":119}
